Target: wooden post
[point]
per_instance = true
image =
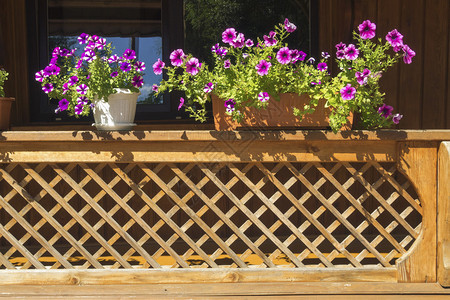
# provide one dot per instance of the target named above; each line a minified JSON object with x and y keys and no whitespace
{"x":444,"y":215}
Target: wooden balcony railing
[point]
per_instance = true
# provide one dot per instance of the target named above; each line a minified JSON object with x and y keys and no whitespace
{"x":192,"y":206}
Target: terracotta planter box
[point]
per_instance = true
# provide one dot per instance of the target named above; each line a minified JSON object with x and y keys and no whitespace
{"x":5,"y":112}
{"x":279,"y":114}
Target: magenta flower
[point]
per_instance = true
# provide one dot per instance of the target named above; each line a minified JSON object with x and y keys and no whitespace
{"x":394,"y":38}
{"x":396,"y":118}
{"x":385,"y":110}
{"x":262,"y":68}
{"x":409,"y":54}
{"x":82,"y":89}
{"x":322,"y":66}
{"x":114,"y":74}
{"x":83,"y":38}
{"x":239,"y":41}
{"x":208,"y":87}
{"x":192,"y":66}
{"x":325,"y":55}
{"x":39,"y":76}
{"x":158,"y":67}
{"x":340,"y":54}
{"x":361,"y":77}
{"x":249,"y":43}
{"x":351,"y":52}
{"x":47,"y":88}
{"x":66,"y":87}
{"x":270,"y":40}
{"x":155,"y":88}
{"x":129,"y":54}
{"x":229,"y":35}
{"x":139,"y":66}
{"x":73,"y":80}
{"x":137,"y":81}
{"x":263,"y":96}
{"x":214,"y":48}
{"x":230,"y":105}
{"x":289,"y":26}
{"x":56,"y":52}
{"x":181,"y":103}
{"x":78,"y":109}
{"x":113,"y":59}
{"x":79,"y":64}
{"x":63,"y":104}
{"x":222,"y":51}
{"x":100,"y":43}
{"x":227,"y":64}
{"x":348,"y":92}
{"x":341,"y":46}
{"x":88,"y":55}
{"x":367,"y":29}
{"x":64,"y":52}
{"x":125,"y":66}
{"x":176,"y":57}
{"x":51,"y":70}
{"x":301,"y":55}
{"x":284,"y":55}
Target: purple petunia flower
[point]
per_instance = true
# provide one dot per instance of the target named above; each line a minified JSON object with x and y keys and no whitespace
{"x":63,"y":104}
{"x":301,"y":55}
{"x":192,"y":66}
{"x":66,"y":88}
{"x":129,"y":54}
{"x":82,"y":89}
{"x":113,"y":59}
{"x":176,"y":57}
{"x":239,"y":41}
{"x":64,"y":52}
{"x":140,"y":66}
{"x":348,"y":92}
{"x":340,"y":54}
{"x":100,"y":43}
{"x":155,"y":88}
{"x":227,"y":64}
{"x":51,"y":70}
{"x":137,"y":81}
{"x":125,"y":66}
{"x":114,"y":74}
{"x":83,"y":38}
{"x":341,"y":46}
{"x":230,"y":105}
{"x":78,"y":109}
{"x":263,"y":97}
{"x":181,"y":103}
{"x":88,"y":55}
{"x":351,"y":52}
{"x":222,"y":51}
{"x":56,"y":51}
{"x":249,"y":43}
{"x":362,"y":77}
{"x":295,"y":55}
{"x":73,"y":80}
{"x":79,"y":64}
{"x":215,"y":47}
{"x":409,"y":54}
{"x":39,"y":76}
{"x":95,"y":39}
{"x":289,"y":26}
{"x":284,"y":55}
{"x":325,"y":55}
{"x":367,"y":29}
{"x":396,"y":118}
{"x":82,"y":100}
{"x":158,"y":67}
{"x":311,"y":60}
{"x":385,"y":110}
{"x":270,"y":40}
{"x":208,"y":87}
{"x":47,"y":88}
{"x":322,"y":66}
{"x":394,"y":38}
{"x":262,"y":68}
{"x":228,"y":35}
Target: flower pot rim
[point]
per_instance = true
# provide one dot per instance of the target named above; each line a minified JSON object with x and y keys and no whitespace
{"x":7,"y":98}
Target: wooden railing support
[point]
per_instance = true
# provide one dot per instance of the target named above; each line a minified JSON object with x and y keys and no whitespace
{"x":444,"y":215}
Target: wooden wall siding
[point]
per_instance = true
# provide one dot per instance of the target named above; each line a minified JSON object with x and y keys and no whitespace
{"x":418,"y":91}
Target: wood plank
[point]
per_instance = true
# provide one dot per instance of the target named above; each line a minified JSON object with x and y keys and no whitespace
{"x":435,"y":56}
{"x":444,"y":215}
{"x":124,"y":276}
{"x":418,"y":161}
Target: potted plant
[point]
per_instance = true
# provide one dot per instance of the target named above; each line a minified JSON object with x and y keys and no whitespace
{"x":5,"y":102}
{"x":96,"y":80}
{"x":249,"y":75}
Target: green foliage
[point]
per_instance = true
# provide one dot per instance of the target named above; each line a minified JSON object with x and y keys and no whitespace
{"x":3,"y":78}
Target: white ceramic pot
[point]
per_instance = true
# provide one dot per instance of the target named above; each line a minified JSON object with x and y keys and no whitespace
{"x":118,"y":112}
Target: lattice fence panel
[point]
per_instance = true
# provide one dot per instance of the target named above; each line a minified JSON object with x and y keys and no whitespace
{"x":210,"y":215}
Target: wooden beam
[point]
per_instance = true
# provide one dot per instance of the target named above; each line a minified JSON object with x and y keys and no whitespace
{"x":444,"y":215}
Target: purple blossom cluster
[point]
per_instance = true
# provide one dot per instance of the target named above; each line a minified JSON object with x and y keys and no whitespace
{"x":68,"y":77}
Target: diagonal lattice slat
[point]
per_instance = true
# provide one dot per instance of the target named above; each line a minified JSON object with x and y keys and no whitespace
{"x":185,"y":215}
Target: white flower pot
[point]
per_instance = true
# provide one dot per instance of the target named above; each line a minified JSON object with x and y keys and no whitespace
{"x":118,"y":112}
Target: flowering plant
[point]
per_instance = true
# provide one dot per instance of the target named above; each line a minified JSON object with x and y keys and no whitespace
{"x":3,"y":78}
{"x":77,"y":81}
{"x":246,"y":72}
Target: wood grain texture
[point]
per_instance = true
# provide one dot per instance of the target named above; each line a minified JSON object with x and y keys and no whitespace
{"x":418,"y":160}
{"x":444,"y":215}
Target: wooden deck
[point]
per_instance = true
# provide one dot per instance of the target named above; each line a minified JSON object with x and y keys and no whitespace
{"x":203,"y":214}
